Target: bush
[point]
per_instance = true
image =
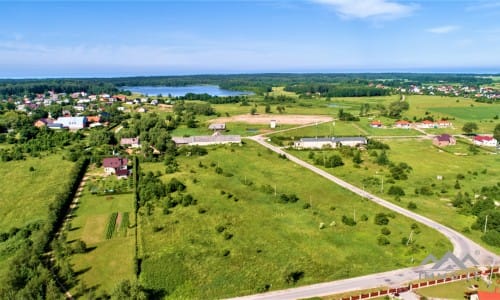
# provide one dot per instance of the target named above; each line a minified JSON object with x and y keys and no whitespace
{"x":385,"y":231}
{"x":202,"y":210}
{"x":383,"y":241}
{"x":220,"y":228}
{"x":306,"y":206}
{"x":225,"y":252}
{"x":364,"y":218}
{"x":111,"y":225}
{"x":381,"y":219}
{"x":412,"y":205}
{"x":348,"y":221}
{"x":227,"y":235}
{"x":293,"y":277}
{"x":396,"y":191}
{"x":492,"y":237}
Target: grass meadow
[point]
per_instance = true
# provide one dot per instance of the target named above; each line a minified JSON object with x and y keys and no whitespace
{"x":427,"y":163}
{"x":459,"y":110}
{"x":239,"y":239}
{"x":25,"y":196}
{"x":110,"y":258}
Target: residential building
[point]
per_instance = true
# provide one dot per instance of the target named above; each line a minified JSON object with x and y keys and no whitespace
{"x":403,"y":124}
{"x":376,"y":124}
{"x":487,"y":141}
{"x":444,"y":140}
{"x":130,"y":142}
{"x":72,"y":122}
{"x":43,"y":122}
{"x":115,"y":165}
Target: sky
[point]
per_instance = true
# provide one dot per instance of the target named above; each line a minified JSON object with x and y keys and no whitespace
{"x":128,"y":38}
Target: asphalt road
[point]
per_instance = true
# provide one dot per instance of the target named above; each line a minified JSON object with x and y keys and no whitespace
{"x":461,"y":247}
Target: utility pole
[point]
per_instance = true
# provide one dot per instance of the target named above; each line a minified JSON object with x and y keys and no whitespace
{"x":409,"y":239}
{"x":485,"y":223}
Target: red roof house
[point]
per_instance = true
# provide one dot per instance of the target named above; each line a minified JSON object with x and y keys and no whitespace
{"x":484,"y":140}
{"x":115,"y":165}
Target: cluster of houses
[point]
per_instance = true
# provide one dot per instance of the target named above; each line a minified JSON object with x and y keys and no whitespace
{"x":407,"y":124}
{"x":449,"y":90}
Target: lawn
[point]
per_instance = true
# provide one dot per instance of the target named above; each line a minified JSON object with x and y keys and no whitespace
{"x":455,"y":290}
{"x":110,"y":258}
{"x":427,"y":163}
{"x":25,"y":195}
{"x":239,"y":239}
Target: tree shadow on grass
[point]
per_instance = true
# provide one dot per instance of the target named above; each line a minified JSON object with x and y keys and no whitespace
{"x":75,"y":228}
{"x":82,"y":271}
{"x":90,"y":249}
{"x":156,"y":294}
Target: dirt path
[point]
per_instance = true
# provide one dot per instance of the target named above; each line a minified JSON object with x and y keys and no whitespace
{"x":280,"y":119}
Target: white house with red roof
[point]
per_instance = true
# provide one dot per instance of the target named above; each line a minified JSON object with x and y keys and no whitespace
{"x":376,"y":124}
{"x":403,"y":124}
{"x":483,"y":140}
{"x":426,"y":124}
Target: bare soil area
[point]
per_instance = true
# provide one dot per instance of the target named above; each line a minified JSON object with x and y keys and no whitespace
{"x":280,"y":119}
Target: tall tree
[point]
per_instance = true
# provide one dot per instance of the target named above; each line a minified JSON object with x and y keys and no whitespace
{"x":469,"y":127}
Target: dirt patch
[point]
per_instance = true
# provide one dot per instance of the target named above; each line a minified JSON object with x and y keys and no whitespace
{"x":280,"y":119}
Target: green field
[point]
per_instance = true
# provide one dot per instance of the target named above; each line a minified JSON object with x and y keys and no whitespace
{"x":109,"y":260}
{"x":455,"y":290}
{"x":460,"y":110}
{"x":427,"y":163}
{"x":263,"y":242}
{"x":25,"y":195}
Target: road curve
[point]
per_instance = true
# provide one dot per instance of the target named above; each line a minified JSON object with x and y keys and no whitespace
{"x":461,"y":246}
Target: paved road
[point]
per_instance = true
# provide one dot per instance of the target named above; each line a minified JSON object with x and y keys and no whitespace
{"x":461,"y":245}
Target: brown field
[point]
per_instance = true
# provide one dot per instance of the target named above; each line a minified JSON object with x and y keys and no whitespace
{"x":281,"y":119}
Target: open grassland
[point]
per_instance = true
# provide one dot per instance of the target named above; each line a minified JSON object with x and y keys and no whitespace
{"x":239,"y":239}
{"x":25,"y":196}
{"x":108,"y":260}
{"x":456,"y":290}
{"x":459,"y":110}
{"x":427,"y":163}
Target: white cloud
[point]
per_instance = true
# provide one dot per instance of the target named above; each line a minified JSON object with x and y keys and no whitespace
{"x":364,"y":9}
{"x":443,"y":29}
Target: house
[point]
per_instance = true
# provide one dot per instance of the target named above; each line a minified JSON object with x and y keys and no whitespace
{"x":444,"y":124}
{"x":403,"y":124}
{"x":207,"y":140}
{"x":55,"y":126}
{"x":130,"y":142}
{"x":376,"y":124}
{"x":487,"y":141}
{"x":115,"y":165}
{"x":43,"y":122}
{"x":120,"y":97}
{"x":484,"y":295}
{"x":327,"y":142}
{"x":444,"y":140}
{"x":273,"y":124}
{"x":217,"y":126}
{"x":72,"y":122}
{"x":426,"y":124}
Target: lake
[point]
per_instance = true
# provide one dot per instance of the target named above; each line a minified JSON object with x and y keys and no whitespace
{"x":176,"y":91}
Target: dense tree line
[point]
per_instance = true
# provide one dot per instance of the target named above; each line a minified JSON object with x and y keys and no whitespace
{"x":212,"y":99}
{"x":336,"y":90}
{"x":30,"y":274}
{"x":258,"y":83}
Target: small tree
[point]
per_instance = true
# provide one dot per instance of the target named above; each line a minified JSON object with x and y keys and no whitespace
{"x":469,"y":127}
{"x":381,"y":219}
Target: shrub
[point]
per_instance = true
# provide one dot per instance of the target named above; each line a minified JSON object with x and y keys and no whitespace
{"x":364,"y":217}
{"x":202,"y":210}
{"x":381,"y":219}
{"x":385,"y":231}
{"x":225,"y":252}
{"x":293,"y":277}
{"x":306,"y":206}
{"x":227,"y":235}
{"x":383,"y":241}
{"x":396,"y":191}
{"x":110,"y":229}
{"x":412,"y":205}
{"x":492,"y":237}
{"x":220,"y":228}
{"x":348,"y":221}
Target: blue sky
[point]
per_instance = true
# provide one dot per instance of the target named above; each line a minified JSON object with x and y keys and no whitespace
{"x":122,"y":38}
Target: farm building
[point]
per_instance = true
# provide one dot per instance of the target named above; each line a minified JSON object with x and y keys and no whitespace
{"x":217,"y":126}
{"x":487,"y":141}
{"x":204,"y":140}
{"x":444,"y":140}
{"x":333,"y":142}
{"x":376,"y":124}
{"x":115,"y":165}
